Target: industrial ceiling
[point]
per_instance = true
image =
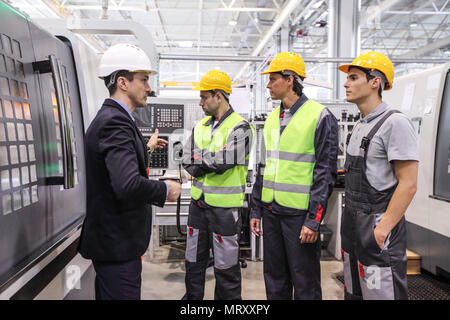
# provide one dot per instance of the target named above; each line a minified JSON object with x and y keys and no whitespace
{"x":399,"y":28}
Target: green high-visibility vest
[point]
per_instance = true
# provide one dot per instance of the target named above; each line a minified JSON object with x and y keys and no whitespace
{"x":290,"y":158}
{"x":226,"y":189}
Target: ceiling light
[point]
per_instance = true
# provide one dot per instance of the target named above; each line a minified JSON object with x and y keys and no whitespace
{"x":232,"y":22}
{"x":225,"y":44}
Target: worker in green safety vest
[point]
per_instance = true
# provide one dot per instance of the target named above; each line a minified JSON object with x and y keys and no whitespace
{"x":293,"y":183}
{"x":217,"y":157}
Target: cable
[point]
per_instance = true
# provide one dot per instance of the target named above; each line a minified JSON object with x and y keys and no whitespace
{"x":179,"y":207}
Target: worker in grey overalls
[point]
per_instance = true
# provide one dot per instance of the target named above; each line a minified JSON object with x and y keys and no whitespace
{"x":380,"y":182}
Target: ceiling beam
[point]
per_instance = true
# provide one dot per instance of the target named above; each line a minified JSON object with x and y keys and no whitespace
{"x":190,"y":57}
{"x":423,"y":50}
{"x":285,"y":13}
{"x":370,"y":17}
{"x":436,"y":13}
{"x":377,"y":10}
{"x":144,"y":9}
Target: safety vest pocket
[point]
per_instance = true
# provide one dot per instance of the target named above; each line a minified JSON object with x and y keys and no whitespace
{"x":226,"y":251}
{"x":191,"y":244}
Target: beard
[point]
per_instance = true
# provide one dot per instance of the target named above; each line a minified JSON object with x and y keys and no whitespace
{"x":140,"y":103}
{"x":211,"y":110}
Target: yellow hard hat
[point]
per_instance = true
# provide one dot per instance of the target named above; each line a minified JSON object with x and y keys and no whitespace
{"x":287,"y":61}
{"x":214,"y":80}
{"x":374,"y":61}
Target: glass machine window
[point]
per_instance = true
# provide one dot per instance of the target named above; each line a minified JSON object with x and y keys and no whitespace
{"x":18,"y":185}
{"x":442,"y":162}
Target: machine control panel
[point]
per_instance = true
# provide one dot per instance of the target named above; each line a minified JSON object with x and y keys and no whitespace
{"x":168,"y":117}
{"x":159,"y":159}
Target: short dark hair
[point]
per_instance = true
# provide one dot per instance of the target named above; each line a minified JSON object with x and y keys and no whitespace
{"x":298,"y":88}
{"x":112,"y":88}
{"x":224,"y":94}
{"x":369,"y":77}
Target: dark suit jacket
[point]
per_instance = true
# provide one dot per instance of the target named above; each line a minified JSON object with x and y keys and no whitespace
{"x":118,"y":220}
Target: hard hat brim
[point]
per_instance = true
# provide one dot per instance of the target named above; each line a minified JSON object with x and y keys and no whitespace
{"x":200,"y":89}
{"x":209,"y":89}
{"x":275,"y":71}
{"x":149,"y":72}
{"x":344,"y":67}
{"x":268,"y":71}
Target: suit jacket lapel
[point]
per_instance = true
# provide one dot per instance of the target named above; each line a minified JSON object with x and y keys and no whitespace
{"x":114,"y":104}
{"x":143,"y":144}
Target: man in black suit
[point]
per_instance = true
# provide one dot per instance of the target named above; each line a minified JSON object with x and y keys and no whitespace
{"x":117,"y":228}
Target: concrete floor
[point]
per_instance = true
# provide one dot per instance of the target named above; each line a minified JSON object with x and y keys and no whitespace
{"x":163,"y":279}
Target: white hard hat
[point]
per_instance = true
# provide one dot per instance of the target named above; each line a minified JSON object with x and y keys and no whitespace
{"x":124,"y":56}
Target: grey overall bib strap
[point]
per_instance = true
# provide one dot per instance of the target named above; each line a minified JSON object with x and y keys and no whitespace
{"x":370,"y":272}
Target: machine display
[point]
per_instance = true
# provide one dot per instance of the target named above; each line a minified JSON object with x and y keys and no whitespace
{"x":166,"y":117}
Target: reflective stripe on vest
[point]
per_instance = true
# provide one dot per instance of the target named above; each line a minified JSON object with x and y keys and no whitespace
{"x":286,"y":187}
{"x":290,"y":158}
{"x":296,"y":157}
{"x":218,"y":190}
{"x":226,"y":189}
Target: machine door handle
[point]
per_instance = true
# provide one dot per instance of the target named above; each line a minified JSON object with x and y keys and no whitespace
{"x":54,"y":66}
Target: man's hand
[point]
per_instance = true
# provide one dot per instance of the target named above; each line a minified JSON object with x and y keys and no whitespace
{"x":156,"y":142}
{"x":174,"y":190}
{"x":308,"y":236}
{"x":380,"y":236}
{"x":255,"y":226}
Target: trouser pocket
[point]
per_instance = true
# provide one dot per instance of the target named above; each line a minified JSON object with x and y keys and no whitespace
{"x":191,"y":244}
{"x":378,"y":217}
{"x":368,"y":251}
{"x":376,"y":282}
{"x":226,"y":251}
